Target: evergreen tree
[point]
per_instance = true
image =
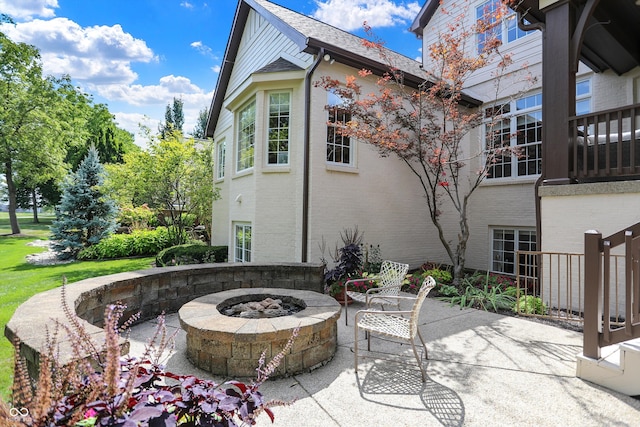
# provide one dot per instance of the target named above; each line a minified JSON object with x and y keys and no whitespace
{"x":173,"y":119}
{"x":85,"y":214}
{"x":200,"y":130}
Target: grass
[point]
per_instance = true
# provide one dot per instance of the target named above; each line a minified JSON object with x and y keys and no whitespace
{"x":20,"y":280}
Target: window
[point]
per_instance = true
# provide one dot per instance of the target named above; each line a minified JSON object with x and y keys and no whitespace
{"x":486,"y":12}
{"x":278,"y":132}
{"x":583,"y":97}
{"x":242,"y":250}
{"x":339,"y":149}
{"x":246,"y":137}
{"x":506,"y":31}
{"x":221,"y":148}
{"x":519,"y":128}
{"x":506,"y":243}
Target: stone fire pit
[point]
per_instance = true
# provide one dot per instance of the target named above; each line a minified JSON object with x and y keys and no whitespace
{"x":231,"y":346}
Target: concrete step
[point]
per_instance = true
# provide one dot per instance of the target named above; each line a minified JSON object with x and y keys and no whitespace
{"x":617,"y":369}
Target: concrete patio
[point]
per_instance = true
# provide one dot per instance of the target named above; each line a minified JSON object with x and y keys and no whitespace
{"x":484,"y":370}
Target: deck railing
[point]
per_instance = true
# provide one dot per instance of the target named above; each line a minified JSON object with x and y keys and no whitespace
{"x":605,"y":145}
{"x":601,"y":326}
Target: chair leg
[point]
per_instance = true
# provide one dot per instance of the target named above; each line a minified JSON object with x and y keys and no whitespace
{"x":355,"y":347}
{"x":426,"y":352}
{"x":415,"y":353}
{"x":346,"y":309}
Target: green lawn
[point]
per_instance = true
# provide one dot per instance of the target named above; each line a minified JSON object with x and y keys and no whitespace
{"x":20,"y":280}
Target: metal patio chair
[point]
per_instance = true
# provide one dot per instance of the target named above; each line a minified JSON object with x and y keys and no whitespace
{"x":392,"y":324}
{"x":389,"y":283}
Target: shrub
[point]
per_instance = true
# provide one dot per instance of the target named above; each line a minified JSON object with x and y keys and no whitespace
{"x":106,"y":389}
{"x":193,"y":253}
{"x":480,"y":279}
{"x":488,"y":297}
{"x":414,"y":280}
{"x":137,"y":218}
{"x":138,"y":243}
{"x":529,"y":304}
{"x":349,"y":261}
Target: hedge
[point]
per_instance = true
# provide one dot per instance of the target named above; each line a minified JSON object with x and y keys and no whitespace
{"x":191,"y":254}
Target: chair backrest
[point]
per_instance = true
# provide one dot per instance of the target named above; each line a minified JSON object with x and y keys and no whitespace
{"x":428,"y":284}
{"x":391,"y":274}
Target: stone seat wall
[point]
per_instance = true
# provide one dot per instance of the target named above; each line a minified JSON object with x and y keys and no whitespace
{"x":149,"y":292}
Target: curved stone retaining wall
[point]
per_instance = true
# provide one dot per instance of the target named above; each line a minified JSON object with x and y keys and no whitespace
{"x":149,"y":292}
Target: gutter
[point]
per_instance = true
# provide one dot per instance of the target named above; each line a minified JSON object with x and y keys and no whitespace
{"x":307,"y":149}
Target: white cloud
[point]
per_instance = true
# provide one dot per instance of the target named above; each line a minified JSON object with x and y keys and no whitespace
{"x":131,"y":122}
{"x":216,"y":68}
{"x":162,"y":93}
{"x":98,"y":54}
{"x":187,"y":5}
{"x":28,"y":9}
{"x":350,"y":14}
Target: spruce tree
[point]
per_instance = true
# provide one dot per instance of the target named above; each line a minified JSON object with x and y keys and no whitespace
{"x":85,"y":214}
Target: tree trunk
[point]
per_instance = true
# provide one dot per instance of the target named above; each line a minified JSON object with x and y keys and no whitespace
{"x":34,"y":204}
{"x":11,"y":190}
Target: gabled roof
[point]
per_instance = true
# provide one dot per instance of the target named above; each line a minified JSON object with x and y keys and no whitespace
{"x":279,"y":65}
{"x":424,"y":16}
{"x":311,"y":36}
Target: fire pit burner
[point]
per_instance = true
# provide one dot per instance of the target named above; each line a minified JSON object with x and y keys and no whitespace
{"x":261,"y":306}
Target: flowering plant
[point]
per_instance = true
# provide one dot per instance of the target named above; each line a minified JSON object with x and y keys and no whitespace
{"x":106,"y":389}
{"x":336,"y":287}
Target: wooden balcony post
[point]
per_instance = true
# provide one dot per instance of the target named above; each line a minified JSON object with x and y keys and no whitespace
{"x":559,"y":90}
{"x":592,"y":294}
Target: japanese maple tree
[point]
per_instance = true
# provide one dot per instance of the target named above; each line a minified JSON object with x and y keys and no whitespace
{"x":427,"y":127}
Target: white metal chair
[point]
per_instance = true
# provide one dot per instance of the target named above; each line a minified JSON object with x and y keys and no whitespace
{"x":392,"y":324}
{"x":389,"y":283}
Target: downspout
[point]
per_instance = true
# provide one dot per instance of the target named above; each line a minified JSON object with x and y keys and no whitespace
{"x":307,"y":149}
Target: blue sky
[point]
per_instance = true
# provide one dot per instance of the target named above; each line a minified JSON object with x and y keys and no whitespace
{"x":137,"y":55}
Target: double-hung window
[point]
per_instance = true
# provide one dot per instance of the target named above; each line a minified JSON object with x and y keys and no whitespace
{"x":519,"y":131}
{"x":506,"y":31}
{"x":221,"y":152}
{"x":246,"y":137}
{"x":339,"y":147}
{"x":278,"y":132}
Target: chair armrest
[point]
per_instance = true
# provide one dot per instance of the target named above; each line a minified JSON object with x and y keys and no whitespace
{"x":370,"y":300}
{"x":372,"y":290}
{"x":368,"y":279}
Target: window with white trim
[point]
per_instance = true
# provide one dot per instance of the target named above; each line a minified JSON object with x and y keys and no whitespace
{"x":242,"y":242}
{"x":520,"y":129}
{"x":339,"y":147}
{"x":221,"y":152}
{"x":278,"y":128}
{"x":506,"y":31}
{"x":505,"y":243}
{"x":246,"y":137}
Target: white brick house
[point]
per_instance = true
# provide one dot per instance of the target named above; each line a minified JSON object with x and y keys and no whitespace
{"x":287,"y":182}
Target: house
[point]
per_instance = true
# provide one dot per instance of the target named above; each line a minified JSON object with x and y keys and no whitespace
{"x":289,"y":184}
{"x":506,"y":210}
{"x":586,"y":115}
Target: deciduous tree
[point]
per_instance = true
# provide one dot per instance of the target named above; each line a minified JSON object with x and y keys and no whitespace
{"x":30,"y":125}
{"x":175,"y":175}
{"x":427,"y":127}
